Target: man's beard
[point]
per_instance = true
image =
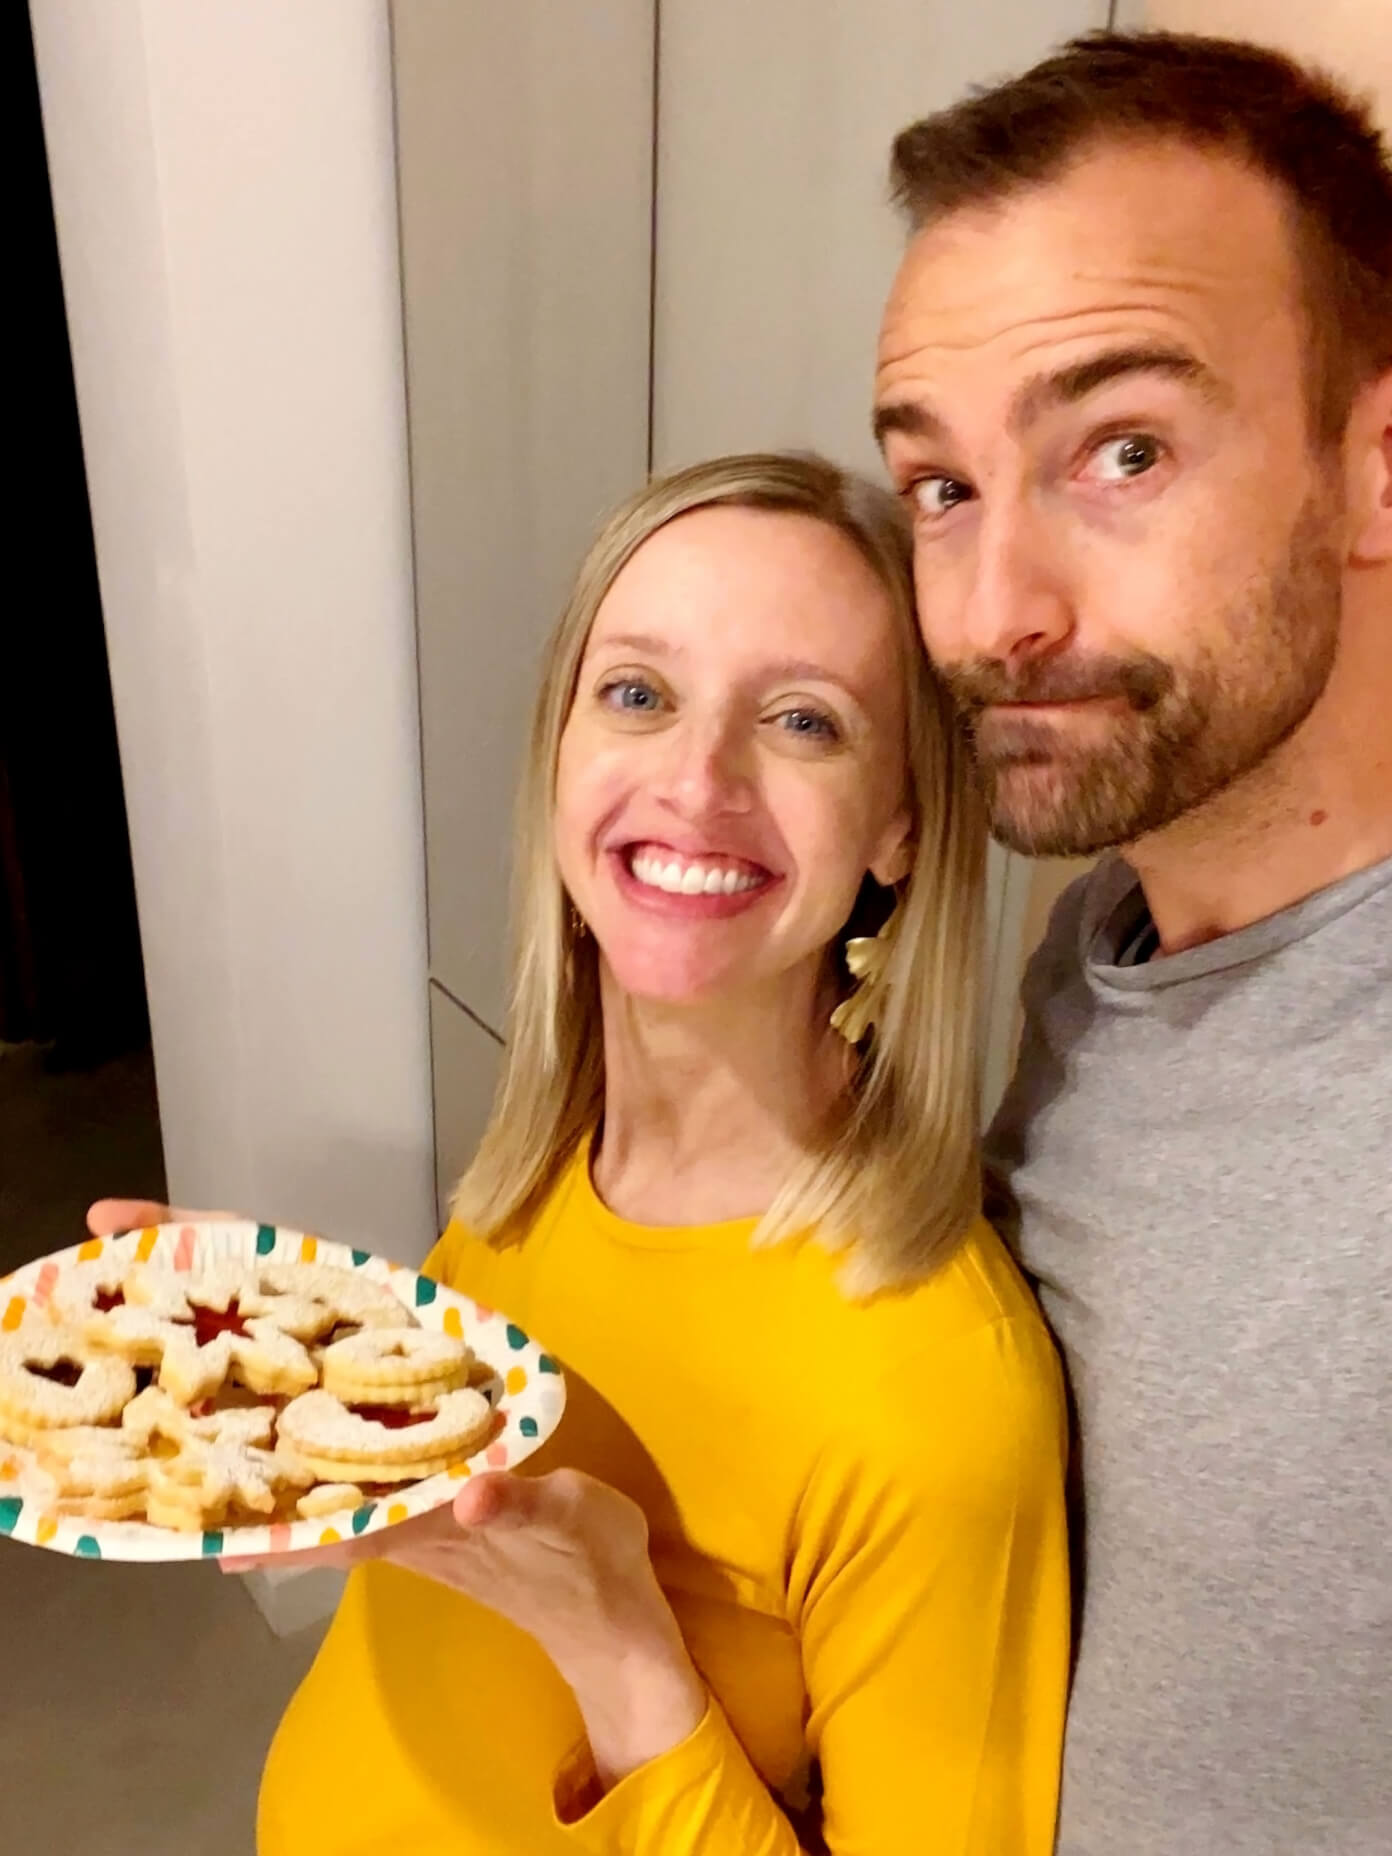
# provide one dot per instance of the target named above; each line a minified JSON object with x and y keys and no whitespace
{"x":1186,"y":731}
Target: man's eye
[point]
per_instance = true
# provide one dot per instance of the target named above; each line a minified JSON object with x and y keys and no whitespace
{"x":934,"y":496}
{"x":1120,"y":459}
{"x":630,"y":696}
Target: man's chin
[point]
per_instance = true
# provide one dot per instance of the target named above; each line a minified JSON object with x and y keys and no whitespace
{"x":1059,"y":808}
{"x":1050,"y":838}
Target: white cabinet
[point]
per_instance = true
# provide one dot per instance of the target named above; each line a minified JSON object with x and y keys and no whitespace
{"x":524,"y":153}
{"x":465,"y":1062}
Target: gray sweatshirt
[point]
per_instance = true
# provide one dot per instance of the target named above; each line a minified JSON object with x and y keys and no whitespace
{"x":1199,"y":1147}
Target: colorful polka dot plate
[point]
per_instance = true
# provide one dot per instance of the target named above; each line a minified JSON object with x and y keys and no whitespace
{"x":525,"y":1387}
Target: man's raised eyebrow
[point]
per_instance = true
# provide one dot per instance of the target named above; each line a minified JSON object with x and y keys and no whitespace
{"x":1070,"y":384}
{"x":905,"y":416}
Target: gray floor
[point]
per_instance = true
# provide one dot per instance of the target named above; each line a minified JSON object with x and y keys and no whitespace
{"x":137,"y":1701}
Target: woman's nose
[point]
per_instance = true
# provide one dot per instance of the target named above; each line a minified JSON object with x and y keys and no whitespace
{"x":706,"y":772}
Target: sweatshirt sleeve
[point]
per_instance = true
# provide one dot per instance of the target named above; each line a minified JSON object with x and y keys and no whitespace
{"x":928,"y":1584}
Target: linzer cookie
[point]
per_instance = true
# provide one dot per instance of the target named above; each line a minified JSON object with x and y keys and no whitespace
{"x":388,"y":1444}
{"x":314,"y":1300}
{"x":153,"y":1414}
{"x":205,"y":1484}
{"x":50,"y":1377}
{"x":395,"y":1367}
{"x":96,"y":1469}
{"x":228,"y":1387}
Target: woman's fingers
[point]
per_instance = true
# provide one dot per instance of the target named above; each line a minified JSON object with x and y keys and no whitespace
{"x":110,"y":1217}
{"x":564,"y":1501}
{"x":490,"y":1499}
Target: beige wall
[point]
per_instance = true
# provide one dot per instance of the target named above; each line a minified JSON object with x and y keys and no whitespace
{"x":1352,"y":38}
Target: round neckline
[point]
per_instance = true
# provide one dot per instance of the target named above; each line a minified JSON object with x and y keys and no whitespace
{"x":1120,"y":915}
{"x":730,"y":1233}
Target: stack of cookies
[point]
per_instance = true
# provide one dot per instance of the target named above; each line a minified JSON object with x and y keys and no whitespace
{"x":237,"y":1393}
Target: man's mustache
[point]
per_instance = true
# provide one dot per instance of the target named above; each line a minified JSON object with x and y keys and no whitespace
{"x":984,"y":682}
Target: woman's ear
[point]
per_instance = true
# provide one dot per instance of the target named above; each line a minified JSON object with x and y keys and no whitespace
{"x":894,"y":858}
{"x":1370,"y":486}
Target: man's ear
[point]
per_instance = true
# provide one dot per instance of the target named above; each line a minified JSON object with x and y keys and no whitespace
{"x":1368,"y":453}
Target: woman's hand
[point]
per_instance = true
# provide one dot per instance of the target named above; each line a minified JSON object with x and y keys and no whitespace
{"x":565,"y":1558}
{"x":112,"y":1217}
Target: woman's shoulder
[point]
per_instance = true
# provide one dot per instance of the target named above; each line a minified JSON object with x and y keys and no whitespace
{"x":481,"y":1267}
{"x":908,"y":1361}
{"x":977,"y":1288}
{"x":468,"y":1263}
{"x":961,"y":1383}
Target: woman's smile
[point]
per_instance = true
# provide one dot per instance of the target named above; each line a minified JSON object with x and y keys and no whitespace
{"x":700,"y":886}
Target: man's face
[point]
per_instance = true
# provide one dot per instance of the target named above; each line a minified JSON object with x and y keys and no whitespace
{"x":1128,"y":552}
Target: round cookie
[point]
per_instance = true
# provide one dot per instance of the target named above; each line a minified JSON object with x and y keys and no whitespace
{"x":341,"y":1445}
{"x":413,"y":1367}
{"x":50,"y":1377}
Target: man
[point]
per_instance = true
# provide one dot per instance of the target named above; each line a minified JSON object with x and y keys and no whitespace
{"x":1135,"y":382}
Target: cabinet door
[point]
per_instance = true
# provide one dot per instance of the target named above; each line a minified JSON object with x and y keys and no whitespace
{"x":465,"y":1062}
{"x":775,"y":240}
{"x":525,"y":176}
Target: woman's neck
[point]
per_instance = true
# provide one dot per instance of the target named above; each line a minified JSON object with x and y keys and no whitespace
{"x":708,"y":1109}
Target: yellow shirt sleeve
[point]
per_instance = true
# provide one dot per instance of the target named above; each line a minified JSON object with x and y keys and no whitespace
{"x":928,"y":1584}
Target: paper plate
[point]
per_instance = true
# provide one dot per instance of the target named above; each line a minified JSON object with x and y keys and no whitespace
{"x":526,"y":1390}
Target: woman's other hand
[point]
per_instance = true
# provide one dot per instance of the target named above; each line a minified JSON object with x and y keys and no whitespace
{"x":111,"y":1217}
{"x":565,"y":1558}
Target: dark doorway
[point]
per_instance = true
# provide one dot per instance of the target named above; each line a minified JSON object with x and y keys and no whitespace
{"x":76,"y":1081}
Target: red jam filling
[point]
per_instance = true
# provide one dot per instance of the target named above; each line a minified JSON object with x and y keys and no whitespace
{"x":392,"y":1417}
{"x":208,"y":1323}
{"x":107,"y":1299}
{"x":62,"y":1372}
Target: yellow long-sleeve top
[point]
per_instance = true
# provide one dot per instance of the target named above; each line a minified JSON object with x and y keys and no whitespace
{"x":856,"y":1512}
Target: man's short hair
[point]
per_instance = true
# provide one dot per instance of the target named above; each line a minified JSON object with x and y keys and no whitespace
{"x":1308,"y":134}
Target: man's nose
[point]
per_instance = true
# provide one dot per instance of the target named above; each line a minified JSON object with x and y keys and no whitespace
{"x":1018,"y":603}
{"x":706,"y":771}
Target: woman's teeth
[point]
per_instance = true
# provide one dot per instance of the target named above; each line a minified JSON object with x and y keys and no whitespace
{"x":690,"y":879}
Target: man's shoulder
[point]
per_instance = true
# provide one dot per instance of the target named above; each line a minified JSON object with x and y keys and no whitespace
{"x":1089,"y":899}
{"x":1080,"y":910}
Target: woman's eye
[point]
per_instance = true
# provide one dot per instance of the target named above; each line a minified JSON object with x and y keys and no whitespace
{"x":935,"y":496}
{"x":1120,"y":459}
{"x":631,"y":696}
{"x":808,"y":725}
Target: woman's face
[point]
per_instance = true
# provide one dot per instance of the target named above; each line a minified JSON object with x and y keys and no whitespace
{"x":734,"y":761}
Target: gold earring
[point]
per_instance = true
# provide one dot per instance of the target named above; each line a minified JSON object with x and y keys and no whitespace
{"x":867,"y":956}
{"x":579,"y":927}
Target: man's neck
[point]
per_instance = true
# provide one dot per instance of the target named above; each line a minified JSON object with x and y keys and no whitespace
{"x":1318,"y":810}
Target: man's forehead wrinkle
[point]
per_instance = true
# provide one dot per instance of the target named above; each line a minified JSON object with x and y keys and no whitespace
{"x":917,"y":339}
{"x":955,"y":286}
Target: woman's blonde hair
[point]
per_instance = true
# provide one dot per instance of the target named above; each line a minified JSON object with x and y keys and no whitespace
{"x":896,"y":1179}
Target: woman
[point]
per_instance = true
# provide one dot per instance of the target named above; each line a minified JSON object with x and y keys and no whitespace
{"x":796,"y":1557}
